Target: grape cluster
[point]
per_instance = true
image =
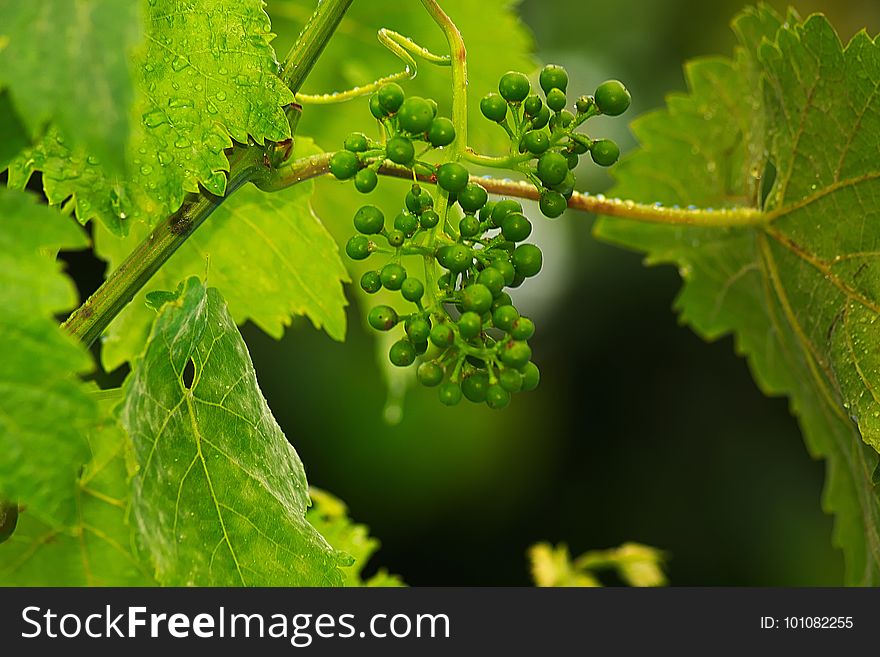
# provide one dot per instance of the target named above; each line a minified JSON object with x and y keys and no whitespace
{"x":544,"y":129}
{"x":469,"y":338}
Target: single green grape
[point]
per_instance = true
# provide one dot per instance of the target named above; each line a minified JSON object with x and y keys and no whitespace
{"x":442,"y":335}
{"x":475,"y":386}
{"x":510,"y":380}
{"x":392,"y":276}
{"x":531,"y":376}
{"x":396,"y":238}
{"x":356,"y":142}
{"x":469,"y":325}
{"x":418,"y":329}
{"x":407,"y":223}
{"x":344,"y":164}
{"x":536,"y":141}
{"x":429,"y":219}
{"x":507,"y":270}
{"x":515,"y":227}
{"x":492,"y":279}
{"x":552,"y":168}
{"x":411,"y":200}
{"x":515,"y":353}
{"x":504,"y":316}
{"x":365,"y":181}
{"x":376,"y":108}
{"x":449,"y":393}
{"x":400,"y":150}
{"x":527,"y":260}
{"x":472,"y":197}
{"x":553,"y":76}
{"x":566,"y":187}
{"x":493,"y":107}
{"x":532,"y":105}
{"x":556,"y":100}
{"x":441,"y":132}
{"x":369,"y":220}
{"x":579,"y":144}
{"x":504,"y":208}
{"x":552,"y":203}
{"x":390,"y":97}
{"x":402,"y":353}
{"x":612,"y":98}
{"x":514,"y":87}
{"x":455,"y":258}
{"x":604,"y":152}
{"x":430,"y":374}
{"x":584,"y":104}
{"x":370,"y":282}
{"x":542,"y":118}
{"x":383,"y":318}
{"x":452,"y":177}
{"x":502,"y":299}
{"x":469,"y":226}
{"x":522,"y":329}
{"x":412,"y":289}
{"x":476,"y":298}
{"x":497,"y":397}
{"x":358,"y":247}
{"x":415,"y":115}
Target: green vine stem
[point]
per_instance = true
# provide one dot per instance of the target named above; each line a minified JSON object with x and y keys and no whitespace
{"x":246,"y":162}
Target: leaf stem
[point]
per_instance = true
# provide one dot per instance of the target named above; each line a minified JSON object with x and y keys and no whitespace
{"x":247,"y":163}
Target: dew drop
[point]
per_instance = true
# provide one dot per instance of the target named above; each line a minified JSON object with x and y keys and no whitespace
{"x":221,"y":95}
{"x":154,"y":118}
{"x":180,"y":62}
{"x":178,"y":103}
{"x":146,"y":169}
{"x":181,"y":142}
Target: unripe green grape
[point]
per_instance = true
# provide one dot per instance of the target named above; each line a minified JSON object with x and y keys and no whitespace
{"x":522,"y":329}
{"x":356,"y":142}
{"x":515,"y":354}
{"x":502,"y":299}
{"x":429,"y":219}
{"x":456,"y":258}
{"x":452,"y":177}
{"x":469,"y":325}
{"x":515,"y":227}
{"x":400,"y":150}
{"x":565,"y":118}
{"x":365,"y":181}
{"x":507,"y":270}
{"x":412,"y":289}
{"x":390,"y":96}
{"x":392,"y":276}
{"x":383,"y":318}
{"x":420,"y":347}
{"x":475,"y":386}
{"x":566,"y":187}
{"x":493,"y":107}
{"x":536,"y":141}
{"x":504,"y":208}
{"x":411,"y":200}
{"x":510,"y":380}
{"x":556,"y":100}
{"x":583,"y":104}
{"x":552,"y":168}
{"x":476,"y":298}
{"x":370,"y":282}
{"x":406,"y":222}
{"x":396,"y":238}
{"x":518,"y":280}
{"x":492,"y":279}
{"x":469,"y":226}
{"x":612,"y":98}
{"x":449,"y":393}
{"x":514,"y":87}
{"x":434,"y":106}
{"x":344,"y":164}
{"x":527,"y":260}
{"x":504,"y":316}
{"x":369,"y":220}
{"x":376,"y":108}
{"x":441,"y":132}
{"x":497,"y":397}
{"x":542,"y":119}
{"x":444,"y":280}
{"x":415,"y":115}
{"x":552,"y":203}
{"x":532,"y":105}
{"x":572,"y":160}
{"x":531,"y":376}
{"x":604,"y":152}
{"x":402,"y":353}
{"x":442,"y":335}
{"x":579,"y":143}
{"x":418,"y":329}
{"x":472,"y":197}
{"x":358,"y":247}
{"x":430,"y":374}
{"x":553,"y":76}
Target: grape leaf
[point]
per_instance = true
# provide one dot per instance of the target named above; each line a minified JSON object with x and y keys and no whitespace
{"x":800,"y":293}
{"x":96,"y":549}
{"x":268,"y":253}
{"x":220,"y":495}
{"x":207,"y":74}
{"x":68,"y":63}
{"x":329,"y":516}
{"x":45,"y":411}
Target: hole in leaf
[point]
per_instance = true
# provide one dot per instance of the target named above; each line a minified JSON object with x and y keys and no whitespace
{"x":189,"y":374}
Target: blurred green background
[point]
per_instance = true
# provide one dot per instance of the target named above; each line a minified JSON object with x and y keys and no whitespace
{"x":639,"y":431}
